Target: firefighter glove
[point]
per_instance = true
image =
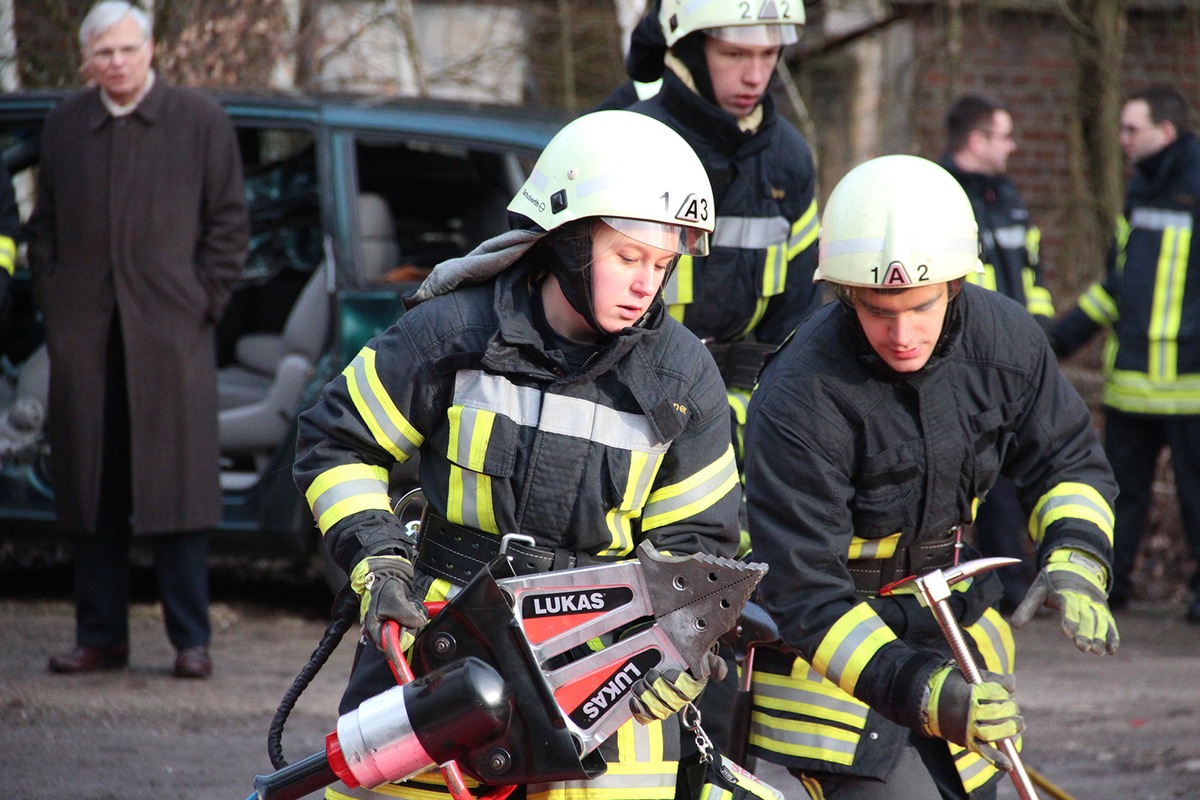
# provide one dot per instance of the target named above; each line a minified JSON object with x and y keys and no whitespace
{"x":659,"y":694}
{"x":385,"y":586}
{"x":976,"y":716}
{"x":1073,"y":582}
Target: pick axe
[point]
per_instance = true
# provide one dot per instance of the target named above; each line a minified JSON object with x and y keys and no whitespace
{"x":935,"y":588}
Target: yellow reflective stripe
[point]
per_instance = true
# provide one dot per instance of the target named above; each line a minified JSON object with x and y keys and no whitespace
{"x":693,"y":494}
{"x":469,"y":499}
{"x":873,"y":548}
{"x":760,"y":308}
{"x":391,"y":430}
{"x":804,"y":231}
{"x":643,"y":467}
{"x":8,"y":254}
{"x":1070,"y":500}
{"x":973,"y":770}
{"x":850,"y":645}
{"x":774,"y":270}
{"x":679,"y":289}
{"x":470,"y":430}
{"x":803,"y":739}
{"x":804,"y":690}
{"x":1037,"y":298}
{"x":986,"y":279}
{"x":1136,"y":392}
{"x":994,"y":638}
{"x":1167,"y":305}
{"x":1033,"y":245}
{"x":347,"y":489}
{"x":1099,"y":305}
{"x":638,"y":771}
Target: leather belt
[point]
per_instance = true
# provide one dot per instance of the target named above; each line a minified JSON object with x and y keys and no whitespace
{"x":740,"y":362}
{"x":456,"y":552}
{"x":919,"y":558}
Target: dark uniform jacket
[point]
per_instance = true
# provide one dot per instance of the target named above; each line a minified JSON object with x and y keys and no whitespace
{"x":1009,"y":240}
{"x":1150,"y":298}
{"x":857,"y":475}
{"x":757,"y":280}
{"x":141,"y":216}
{"x":635,"y":446}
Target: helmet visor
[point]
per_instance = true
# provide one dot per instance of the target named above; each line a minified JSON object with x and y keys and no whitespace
{"x":760,"y":35}
{"x":683,"y":239}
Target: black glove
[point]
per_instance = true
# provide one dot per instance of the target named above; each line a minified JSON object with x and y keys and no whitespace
{"x":659,"y":694}
{"x":975,"y":716}
{"x":385,"y":584}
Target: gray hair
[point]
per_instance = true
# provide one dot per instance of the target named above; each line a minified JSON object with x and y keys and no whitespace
{"x":107,"y":13}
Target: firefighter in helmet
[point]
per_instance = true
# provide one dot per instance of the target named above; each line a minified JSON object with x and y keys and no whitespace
{"x":549,"y":395}
{"x":872,"y":437}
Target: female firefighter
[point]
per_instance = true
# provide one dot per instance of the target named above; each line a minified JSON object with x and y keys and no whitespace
{"x":549,"y":395}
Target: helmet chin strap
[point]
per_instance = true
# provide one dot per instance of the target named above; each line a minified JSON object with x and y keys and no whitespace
{"x":571,"y":264}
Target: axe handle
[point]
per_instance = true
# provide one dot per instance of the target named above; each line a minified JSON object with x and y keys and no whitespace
{"x":958,"y":646}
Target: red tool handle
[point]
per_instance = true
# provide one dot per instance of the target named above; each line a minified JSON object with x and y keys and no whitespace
{"x":403,"y":672}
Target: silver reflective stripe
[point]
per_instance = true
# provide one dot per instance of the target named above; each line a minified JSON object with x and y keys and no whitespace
{"x":344,"y":491}
{"x":373,"y":410}
{"x":1160,"y":219}
{"x":750,"y":233}
{"x":466,"y":435}
{"x":1010,"y":237}
{"x":470,"y":497}
{"x":793,"y":693}
{"x":848,"y":646}
{"x":567,"y":416}
{"x":799,"y":236}
{"x":814,"y":743}
{"x":476,"y":389}
{"x":875,"y":244}
{"x":1068,"y":500}
{"x":711,"y":487}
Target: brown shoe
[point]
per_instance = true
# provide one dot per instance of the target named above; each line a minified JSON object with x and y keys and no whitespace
{"x":193,"y":662}
{"x":90,"y":659}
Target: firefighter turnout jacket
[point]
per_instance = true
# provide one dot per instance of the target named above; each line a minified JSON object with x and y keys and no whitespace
{"x":1149,"y":300}
{"x":633,"y":446}
{"x":756,"y":283}
{"x":1008,"y":240}
{"x":858,"y":476}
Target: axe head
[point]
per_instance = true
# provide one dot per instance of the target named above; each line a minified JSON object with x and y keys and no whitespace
{"x":935,"y":586}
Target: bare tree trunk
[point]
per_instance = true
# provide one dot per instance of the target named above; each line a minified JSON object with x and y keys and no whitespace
{"x":567,"y":54}
{"x":404,"y":18}
{"x":1094,"y":155}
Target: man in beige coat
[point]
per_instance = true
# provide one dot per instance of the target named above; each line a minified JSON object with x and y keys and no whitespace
{"x":138,"y":236}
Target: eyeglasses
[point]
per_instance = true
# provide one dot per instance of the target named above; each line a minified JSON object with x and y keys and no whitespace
{"x":106,"y":55}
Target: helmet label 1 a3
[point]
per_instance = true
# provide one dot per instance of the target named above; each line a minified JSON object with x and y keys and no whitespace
{"x":693,"y":208}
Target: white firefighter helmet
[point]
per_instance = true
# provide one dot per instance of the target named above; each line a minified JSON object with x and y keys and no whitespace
{"x":897,"y":221}
{"x":633,"y":171}
{"x":770,"y":23}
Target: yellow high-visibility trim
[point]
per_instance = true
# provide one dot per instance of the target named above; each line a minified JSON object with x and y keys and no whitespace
{"x":366,"y":357}
{"x":330,"y":479}
{"x":800,"y":238}
{"x":8,"y":254}
{"x":862,"y":631}
{"x":873,"y":548}
{"x":1069,"y":500}
{"x":697,"y":492}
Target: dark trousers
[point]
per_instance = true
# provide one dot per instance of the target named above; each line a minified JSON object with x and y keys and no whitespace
{"x":1133,"y":443}
{"x":1002,"y":530}
{"x":102,"y":558}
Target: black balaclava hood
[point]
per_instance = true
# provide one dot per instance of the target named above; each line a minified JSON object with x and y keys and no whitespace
{"x":569,"y":258}
{"x":690,"y":50}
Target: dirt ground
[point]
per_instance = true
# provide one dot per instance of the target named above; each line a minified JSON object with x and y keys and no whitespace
{"x":1099,"y":728}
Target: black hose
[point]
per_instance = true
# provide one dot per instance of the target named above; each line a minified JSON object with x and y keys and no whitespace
{"x":343,"y":614}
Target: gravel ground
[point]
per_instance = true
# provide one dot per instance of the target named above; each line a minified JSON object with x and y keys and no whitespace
{"x":1109,"y":728}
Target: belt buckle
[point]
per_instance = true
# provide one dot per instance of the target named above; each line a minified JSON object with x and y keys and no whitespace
{"x":515,"y":537}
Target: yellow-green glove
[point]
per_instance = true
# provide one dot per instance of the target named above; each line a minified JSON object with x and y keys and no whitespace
{"x":385,"y":585}
{"x":1073,"y":582}
{"x":975,"y":716}
{"x":659,"y":694}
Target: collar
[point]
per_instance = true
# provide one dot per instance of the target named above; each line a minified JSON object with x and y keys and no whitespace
{"x":149,"y":107}
{"x":747,"y":124}
{"x":712,"y":124}
{"x":124,"y":110}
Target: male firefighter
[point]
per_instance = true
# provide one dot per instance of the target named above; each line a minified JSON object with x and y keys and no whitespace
{"x":872,"y":435}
